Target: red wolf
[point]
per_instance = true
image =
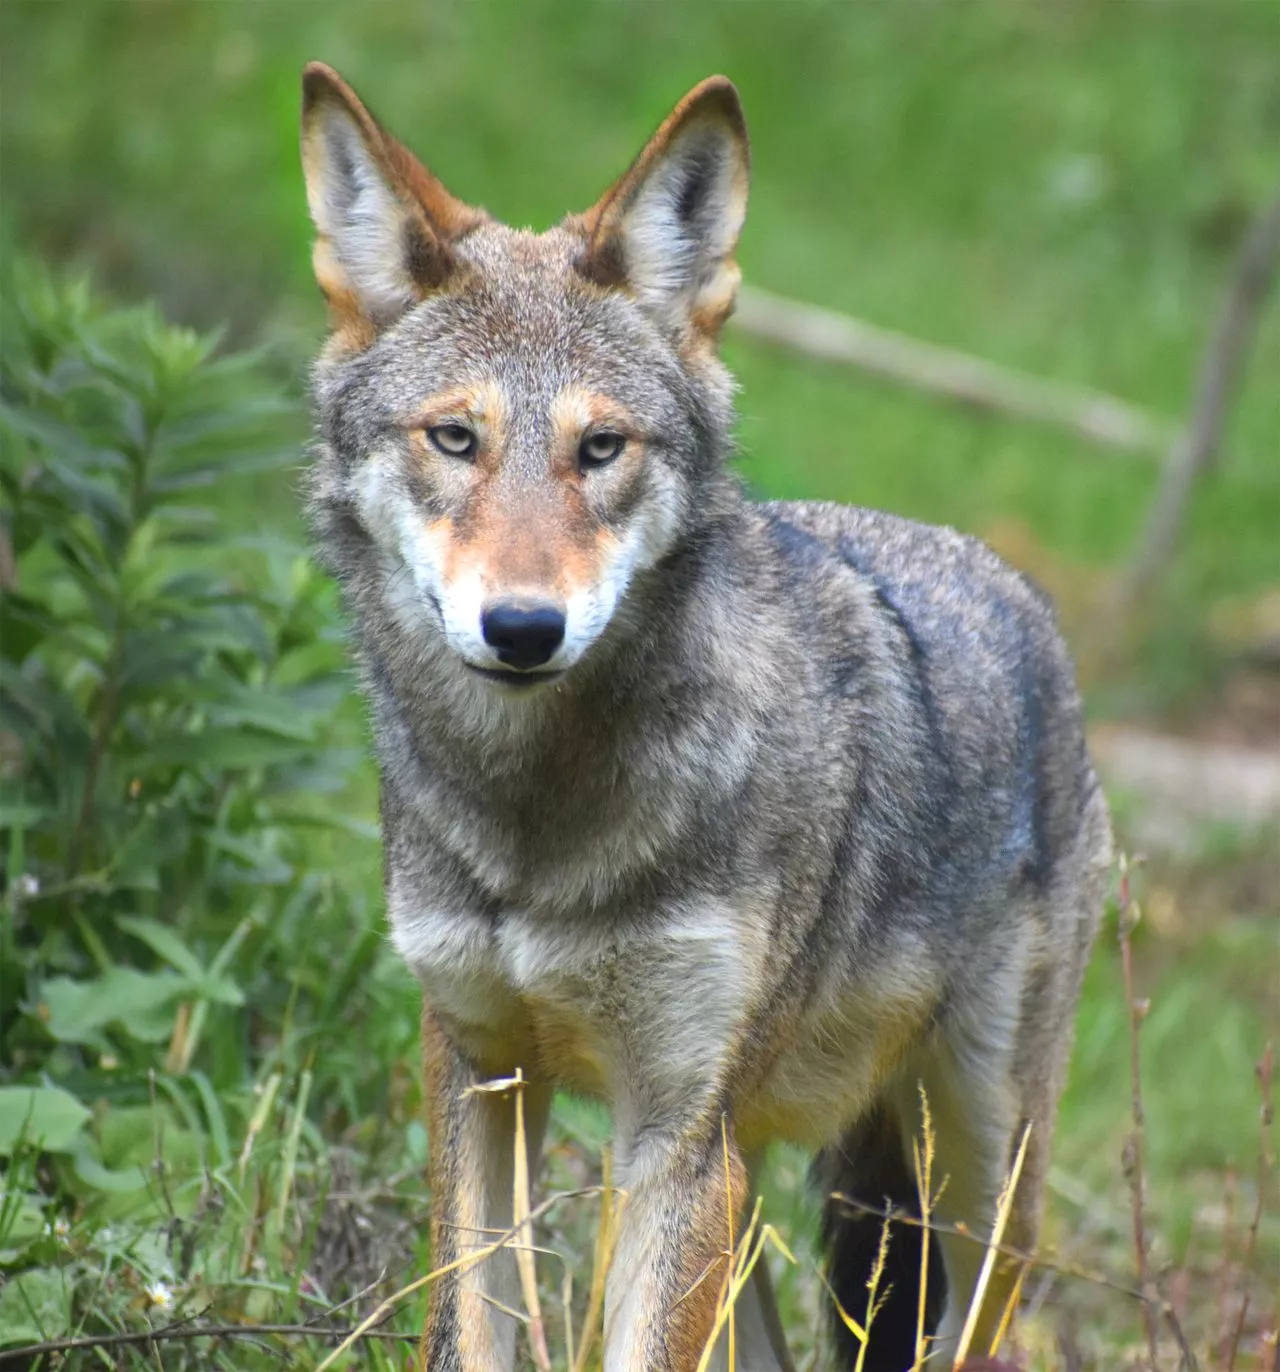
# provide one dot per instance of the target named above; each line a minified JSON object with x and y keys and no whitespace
{"x":748,"y":819}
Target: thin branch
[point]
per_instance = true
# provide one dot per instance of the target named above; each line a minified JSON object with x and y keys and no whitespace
{"x":1188,"y":1362}
{"x":948,"y":373}
{"x":460,"y":1264}
{"x":1004,"y":1207}
{"x":184,"y":1329}
{"x":1222,"y":1283}
{"x":1267,"y":1118}
{"x":1134,"y":1162}
{"x":1004,"y":1250}
{"x":1221,"y":365}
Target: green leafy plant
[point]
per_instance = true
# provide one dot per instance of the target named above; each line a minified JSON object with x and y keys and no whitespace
{"x":174,"y":741}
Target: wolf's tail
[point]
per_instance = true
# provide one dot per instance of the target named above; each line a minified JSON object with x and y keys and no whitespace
{"x":869,"y":1167}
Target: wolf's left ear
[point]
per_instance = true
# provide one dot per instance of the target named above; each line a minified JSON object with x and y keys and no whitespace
{"x":384,"y":223}
{"x":667,"y":230}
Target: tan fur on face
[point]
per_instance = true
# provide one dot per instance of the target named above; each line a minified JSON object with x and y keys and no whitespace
{"x":481,"y":406}
{"x":546,"y":541}
{"x":557,"y":550}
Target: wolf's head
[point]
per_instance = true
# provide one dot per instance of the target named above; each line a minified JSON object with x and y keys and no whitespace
{"x":517,"y":425}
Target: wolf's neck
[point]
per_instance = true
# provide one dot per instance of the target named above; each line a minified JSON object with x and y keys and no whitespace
{"x":643,"y":735}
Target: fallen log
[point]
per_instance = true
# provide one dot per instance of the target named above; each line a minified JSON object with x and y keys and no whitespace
{"x":1183,"y":785}
{"x":948,"y":373}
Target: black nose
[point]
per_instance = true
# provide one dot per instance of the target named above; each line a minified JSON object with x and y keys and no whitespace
{"x":523,"y":635}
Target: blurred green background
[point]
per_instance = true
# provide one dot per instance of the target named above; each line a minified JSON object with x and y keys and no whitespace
{"x":1057,"y":186}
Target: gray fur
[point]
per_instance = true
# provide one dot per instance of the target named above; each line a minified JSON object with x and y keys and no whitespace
{"x":810,"y":822}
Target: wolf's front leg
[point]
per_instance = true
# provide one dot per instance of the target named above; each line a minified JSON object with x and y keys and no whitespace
{"x":670,"y":1260}
{"x":472,"y":1140}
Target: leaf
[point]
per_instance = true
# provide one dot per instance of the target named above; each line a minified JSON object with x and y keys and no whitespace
{"x":132,"y":1136}
{"x":219,"y":989}
{"x":46,"y":1116}
{"x":164,"y":942}
{"x":57,"y":437}
{"x":35,"y":1305}
{"x":224,"y":747}
{"x":274,"y":714}
{"x":24,"y":1221}
{"x":24,"y":623}
{"x":263,"y":865}
{"x":33,"y":703}
{"x":21,"y":814}
{"x":139,"y":1002}
{"x":214,"y":1116}
{"x":193,"y":477}
{"x":195,"y":431}
{"x":316,"y":657}
{"x":96,"y":1175}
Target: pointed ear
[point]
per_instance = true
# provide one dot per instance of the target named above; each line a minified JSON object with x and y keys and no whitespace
{"x":384,"y":224}
{"x":668,"y":229}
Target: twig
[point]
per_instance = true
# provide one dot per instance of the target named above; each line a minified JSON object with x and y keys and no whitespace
{"x":948,"y":373}
{"x":729,"y":1250}
{"x":1133,"y":1150}
{"x":923,"y":1158}
{"x":1222,"y":1283}
{"x":461,"y":1264}
{"x":184,"y":1329}
{"x":742,"y":1264}
{"x":1223,"y":360}
{"x":1189,"y":1362}
{"x":1003,"y":1208}
{"x":606,"y":1237}
{"x":1264,"y":1069}
{"x":524,"y":1250}
{"x":1005,"y":1250}
{"x":875,"y":1301}
{"x":1072,"y":1360}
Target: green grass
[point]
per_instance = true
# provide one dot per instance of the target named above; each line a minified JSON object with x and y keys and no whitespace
{"x":1058,"y":187}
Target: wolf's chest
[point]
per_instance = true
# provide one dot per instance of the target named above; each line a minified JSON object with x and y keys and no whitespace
{"x":597,"y":1010}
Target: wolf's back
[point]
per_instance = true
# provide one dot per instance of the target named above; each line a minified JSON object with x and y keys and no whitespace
{"x":977,"y":649}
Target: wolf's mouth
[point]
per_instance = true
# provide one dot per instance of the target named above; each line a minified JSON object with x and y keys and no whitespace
{"x":519,"y":681}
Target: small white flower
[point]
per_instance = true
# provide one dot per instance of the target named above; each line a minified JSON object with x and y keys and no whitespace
{"x":1078,"y":181}
{"x":27,"y":886}
{"x":161,"y":1294}
{"x":60,"y":1229}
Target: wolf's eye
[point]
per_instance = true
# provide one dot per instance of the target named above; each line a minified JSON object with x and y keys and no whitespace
{"x":454,"y":440}
{"x":599,"y":448}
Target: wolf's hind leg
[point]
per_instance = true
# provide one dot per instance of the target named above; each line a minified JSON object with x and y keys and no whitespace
{"x":869,"y":1167}
{"x":995,"y":1069}
{"x":979,"y":1115}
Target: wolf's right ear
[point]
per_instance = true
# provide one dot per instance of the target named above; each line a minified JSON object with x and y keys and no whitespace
{"x":384,"y":223}
{"x":667,"y":230}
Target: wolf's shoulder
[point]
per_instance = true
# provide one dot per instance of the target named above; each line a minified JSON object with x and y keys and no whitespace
{"x":943,"y":585}
{"x":971,"y":653}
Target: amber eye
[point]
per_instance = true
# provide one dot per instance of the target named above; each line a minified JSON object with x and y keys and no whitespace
{"x":453,"y":440}
{"x":600,"y":448}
